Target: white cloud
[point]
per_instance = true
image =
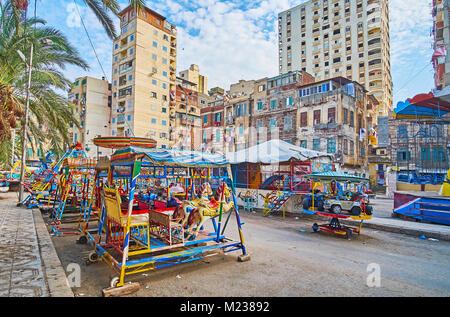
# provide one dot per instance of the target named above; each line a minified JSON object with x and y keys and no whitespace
{"x":232,"y":40}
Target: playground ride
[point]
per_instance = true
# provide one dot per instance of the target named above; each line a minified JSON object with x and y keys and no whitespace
{"x":4,"y":183}
{"x":422,"y":191}
{"x":41,"y":184}
{"x":338,"y":196}
{"x":74,"y":197}
{"x":150,"y":235}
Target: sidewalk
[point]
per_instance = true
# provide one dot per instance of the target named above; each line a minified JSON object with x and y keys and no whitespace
{"x":29,"y":265}
{"x":429,"y":230}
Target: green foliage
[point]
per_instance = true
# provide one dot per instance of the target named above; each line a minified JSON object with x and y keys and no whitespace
{"x":50,"y":112}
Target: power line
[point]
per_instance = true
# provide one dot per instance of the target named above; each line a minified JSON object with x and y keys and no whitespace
{"x":90,"y":41}
{"x":410,"y":80}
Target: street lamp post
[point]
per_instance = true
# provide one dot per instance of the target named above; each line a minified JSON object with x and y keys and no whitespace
{"x":45,"y":42}
{"x":25,"y":126}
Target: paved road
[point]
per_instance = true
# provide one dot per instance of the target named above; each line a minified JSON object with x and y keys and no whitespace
{"x":288,"y":259}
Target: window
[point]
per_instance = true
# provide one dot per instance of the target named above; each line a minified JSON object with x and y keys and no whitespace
{"x":287,"y":123}
{"x":425,"y":154}
{"x":260,"y":105}
{"x":153,"y":121}
{"x":155,"y":44}
{"x":273,"y":124}
{"x":345,"y":145}
{"x":317,"y":117}
{"x":439,"y":155}
{"x":273,"y":104}
{"x":218,"y":117}
{"x":218,"y":136}
{"x":126,"y":91}
{"x":259,"y":125}
{"x":316,"y":145}
{"x":205,"y":119}
{"x":304,"y":144}
{"x":331,"y":146}
{"x":352,"y":119}
{"x":289,"y":101}
{"x":331,"y":115}
{"x":125,"y":67}
{"x":402,"y":131}
{"x":304,"y":119}
{"x":403,"y":154}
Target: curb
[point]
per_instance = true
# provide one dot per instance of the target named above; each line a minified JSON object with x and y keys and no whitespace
{"x":55,"y":276}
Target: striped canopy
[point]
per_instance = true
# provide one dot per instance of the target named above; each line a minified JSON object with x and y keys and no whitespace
{"x":122,"y":142}
{"x":167,"y":157}
{"x":336,"y":176}
{"x":79,"y":163}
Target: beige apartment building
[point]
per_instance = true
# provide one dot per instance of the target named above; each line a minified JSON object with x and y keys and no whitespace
{"x":192,"y":74}
{"x":92,"y":100}
{"x":144,"y":76}
{"x":348,"y":38}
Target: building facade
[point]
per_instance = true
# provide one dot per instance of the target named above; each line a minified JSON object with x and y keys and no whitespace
{"x":213,"y":122}
{"x":328,"y":116}
{"x":192,"y":74}
{"x":441,"y":45}
{"x":92,"y":100}
{"x":144,"y":76}
{"x":347,"y":38}
{"x":186,"y":126}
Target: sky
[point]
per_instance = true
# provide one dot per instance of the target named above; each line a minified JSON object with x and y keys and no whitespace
{"x":232,"y":40}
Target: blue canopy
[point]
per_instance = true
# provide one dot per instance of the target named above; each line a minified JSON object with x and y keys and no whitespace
{"x":168,"y":157}
{"x":336,"y":176}
{"x":423,"y":106}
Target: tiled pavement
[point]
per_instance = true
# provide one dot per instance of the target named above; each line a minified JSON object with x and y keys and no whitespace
{"x":29,"y":265}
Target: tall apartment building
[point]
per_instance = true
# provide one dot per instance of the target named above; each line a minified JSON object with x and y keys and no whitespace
{"x":441,"y":61}
{"x":144,"y":76}
{"x":331,"y":38}
{"x":92,"y":100}
{"x":192,"y":74}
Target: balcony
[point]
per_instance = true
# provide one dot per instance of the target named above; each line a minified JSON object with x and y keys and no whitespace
{"x":378,"y":66}
{"x":374,"y":35}
{"x":374,"y":56}
{"x":374,"y":46}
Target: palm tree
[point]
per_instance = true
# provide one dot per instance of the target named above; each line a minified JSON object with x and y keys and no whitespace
{"x":101,"y":9}
{"x":50,"y":111}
